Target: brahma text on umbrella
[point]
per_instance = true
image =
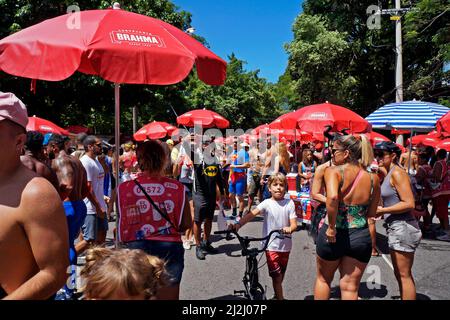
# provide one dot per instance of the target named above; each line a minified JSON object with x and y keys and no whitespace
{"x":136,"y":37}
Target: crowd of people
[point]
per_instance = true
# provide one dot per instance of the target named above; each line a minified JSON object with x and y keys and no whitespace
{"x":167,"y":194}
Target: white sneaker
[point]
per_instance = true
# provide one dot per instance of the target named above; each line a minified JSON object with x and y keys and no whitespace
{"x":444,"y":237}
{"x":187,"y":245}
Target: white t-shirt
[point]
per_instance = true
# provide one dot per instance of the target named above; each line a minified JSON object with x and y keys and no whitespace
{"x":95,"y":175}
{"x":276,"y":216}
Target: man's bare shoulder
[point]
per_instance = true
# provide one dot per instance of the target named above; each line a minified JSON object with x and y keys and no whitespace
{"x":39,"y":195}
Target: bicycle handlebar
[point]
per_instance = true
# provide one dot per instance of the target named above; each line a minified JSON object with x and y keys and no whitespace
{"x":245,"y":241}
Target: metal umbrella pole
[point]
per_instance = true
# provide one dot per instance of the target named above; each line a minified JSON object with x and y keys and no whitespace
{"x":117,"y":140}
{"x":410,"y":150}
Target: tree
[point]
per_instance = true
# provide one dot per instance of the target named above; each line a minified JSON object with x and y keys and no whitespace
{"x":334,"y":55}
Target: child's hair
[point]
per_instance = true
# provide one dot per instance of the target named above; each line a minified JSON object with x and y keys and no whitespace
{"x":131,"y":271}
{"x":277,"y":177}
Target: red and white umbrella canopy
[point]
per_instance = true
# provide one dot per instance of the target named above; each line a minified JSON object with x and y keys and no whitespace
{"x":118,"y":45}
{"x":314,"y":118}
{"x":204,"y":118}
{"x":154,"y":130}
{"x":444,"y":144}
{"x":44,"y":126}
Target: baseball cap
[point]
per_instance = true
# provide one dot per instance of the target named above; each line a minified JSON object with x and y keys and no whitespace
{"x":169,"y":141}
{"x":47,"y":138}
{"x":11,"y":108}
{"x":388,"y":146}
{"x":245,"y":144}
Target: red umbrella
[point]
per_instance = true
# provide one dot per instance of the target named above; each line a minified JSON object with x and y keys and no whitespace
{"x":77,"y":129}
{"x":444,"y":144}
{"x":375,"y":137}
{"x":443,"y":124}
{"x":314,"y":118}
{"x":154,"y":130}
{"x":424,"y":139}
{"x":204,"y":118}
{"x":44,"y":126}
{"x":264,"y":128}
{"x":400,"y":131}
{"x":277,"y":123}
{"x":118,"y":45}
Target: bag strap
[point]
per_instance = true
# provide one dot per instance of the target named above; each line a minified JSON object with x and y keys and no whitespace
{"x":163,"y":214}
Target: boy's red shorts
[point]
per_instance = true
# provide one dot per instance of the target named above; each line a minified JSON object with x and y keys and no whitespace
{"x":277,"y":262}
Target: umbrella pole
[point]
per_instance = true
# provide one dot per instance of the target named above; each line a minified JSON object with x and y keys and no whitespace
{"x":295,"y":146}
{"x":117,"y":141}
{"x":410,"y":150}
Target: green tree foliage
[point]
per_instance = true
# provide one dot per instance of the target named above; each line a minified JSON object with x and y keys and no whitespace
{"x":334,"y":55}
{"x":246,"y":99}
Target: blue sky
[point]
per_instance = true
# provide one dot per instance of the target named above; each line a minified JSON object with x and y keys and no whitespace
{"x":255,"y":30}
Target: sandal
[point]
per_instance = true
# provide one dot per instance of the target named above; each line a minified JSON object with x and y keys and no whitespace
{"x":375,"y":254}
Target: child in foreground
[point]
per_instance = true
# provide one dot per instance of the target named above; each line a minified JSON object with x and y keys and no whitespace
{"x":278,"y":213}
{"x":121,"y":274}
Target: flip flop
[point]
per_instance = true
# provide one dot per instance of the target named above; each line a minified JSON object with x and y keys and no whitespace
{"x":376,"y":254}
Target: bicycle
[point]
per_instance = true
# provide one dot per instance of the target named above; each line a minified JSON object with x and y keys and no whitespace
{"x":253,"y":289}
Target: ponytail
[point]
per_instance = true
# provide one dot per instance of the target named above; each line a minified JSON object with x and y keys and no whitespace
{"x":359,"y":149}
{"x":366,"y":152}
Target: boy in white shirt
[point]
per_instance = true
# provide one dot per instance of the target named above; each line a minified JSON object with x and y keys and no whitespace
{"x":278,"y":213}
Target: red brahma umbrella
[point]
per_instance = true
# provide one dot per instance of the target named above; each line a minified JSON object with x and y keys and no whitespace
{"x":314,"y":118}
{"x":154,"y":130}
{"x":204,"y":118}
{"x":44,"y":126}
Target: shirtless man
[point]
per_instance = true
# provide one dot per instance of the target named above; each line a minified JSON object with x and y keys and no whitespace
{"x":33,"y":229}
{"x":33,"y":158}
{"x":73,"y":189}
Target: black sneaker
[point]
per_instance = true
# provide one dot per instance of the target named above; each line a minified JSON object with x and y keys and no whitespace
{"x":199,"y":253}
{"x":206,"y":246}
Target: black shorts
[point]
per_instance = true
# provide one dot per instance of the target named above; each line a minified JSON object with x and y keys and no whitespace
{"x":354,"y":243}
{"x":204,"y":207}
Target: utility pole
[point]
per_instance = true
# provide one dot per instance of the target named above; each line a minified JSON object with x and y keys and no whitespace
{"x":396,"y":16}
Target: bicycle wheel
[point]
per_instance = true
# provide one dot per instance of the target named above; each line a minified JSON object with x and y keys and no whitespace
{"x":258,"y":293}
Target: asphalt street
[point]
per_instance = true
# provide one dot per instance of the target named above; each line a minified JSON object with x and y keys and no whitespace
{"x":219,"y":275}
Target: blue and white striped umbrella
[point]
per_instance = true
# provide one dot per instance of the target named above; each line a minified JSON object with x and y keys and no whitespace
{"x":412,"y":115}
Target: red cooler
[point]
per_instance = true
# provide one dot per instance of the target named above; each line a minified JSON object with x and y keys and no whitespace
{"x":292,"y":181}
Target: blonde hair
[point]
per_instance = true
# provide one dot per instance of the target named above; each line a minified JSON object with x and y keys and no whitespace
{"x":277,"y":177}
{"x":283,"y":155}
{"x":131,"y":271}
{"x":360,"y":149}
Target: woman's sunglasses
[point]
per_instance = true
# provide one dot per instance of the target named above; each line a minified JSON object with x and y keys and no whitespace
{"x":333,"y":151}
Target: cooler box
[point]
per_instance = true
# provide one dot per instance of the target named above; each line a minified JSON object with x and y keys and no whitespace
{"x":303,"y":207}
{"x":292,"y":181}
